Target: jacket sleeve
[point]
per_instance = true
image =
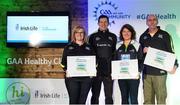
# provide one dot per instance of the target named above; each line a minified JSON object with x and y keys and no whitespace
{"x":141,"y":41}
{"x":115,"y":56}
{"x":142,"y":46}
{"x":90,"y":41}
{"x":170,"y":47}
{"x":93,"y":53}
{"x":140,"y":58}
{"x":114,"y":48}
{"x":64,"y":59}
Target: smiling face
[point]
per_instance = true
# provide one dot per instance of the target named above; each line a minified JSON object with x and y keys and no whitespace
{"x":79,"y":35}
{"x":103,"y":24}
{"x":152,"y":21}
{"x":126,"y":34}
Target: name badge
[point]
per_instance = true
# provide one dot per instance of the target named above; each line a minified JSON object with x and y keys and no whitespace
{"x":125,"y":56}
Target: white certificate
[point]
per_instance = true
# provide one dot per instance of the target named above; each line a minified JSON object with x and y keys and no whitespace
{"x":125,"y":69}
{"x":160,"y":59}
{"x":78,"y":66}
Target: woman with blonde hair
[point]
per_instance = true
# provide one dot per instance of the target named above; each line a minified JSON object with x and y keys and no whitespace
{"x":77,"y":87}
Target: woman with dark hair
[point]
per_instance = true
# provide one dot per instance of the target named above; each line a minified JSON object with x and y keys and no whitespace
{"x":77,"y":87}
{"x":129,"y":48}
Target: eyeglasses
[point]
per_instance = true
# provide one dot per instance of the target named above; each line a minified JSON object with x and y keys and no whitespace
{"x":79,"y":32}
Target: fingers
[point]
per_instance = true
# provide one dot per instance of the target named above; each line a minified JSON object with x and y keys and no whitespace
{"x":145,"y":50}
{"x":172,"y":71}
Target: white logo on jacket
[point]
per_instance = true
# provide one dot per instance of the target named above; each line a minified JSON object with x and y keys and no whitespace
{"x":160,"y":36}
{"x":110,"y":38}
{"x":87,"y":48}
{"x":97,"y":38}
{"x":71,"y":48}
{"x":145,"y":37}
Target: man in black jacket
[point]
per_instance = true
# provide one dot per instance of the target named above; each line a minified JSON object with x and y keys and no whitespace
{"x":104,"y":44}
{"x":154,"y":78}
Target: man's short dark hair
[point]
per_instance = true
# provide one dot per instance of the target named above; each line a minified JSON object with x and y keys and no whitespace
{"x":103,"y":16}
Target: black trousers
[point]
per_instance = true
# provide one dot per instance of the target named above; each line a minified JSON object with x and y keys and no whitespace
{"x":129,"y":89}
{"x":108,"y":89}
{"x":78,"y":89}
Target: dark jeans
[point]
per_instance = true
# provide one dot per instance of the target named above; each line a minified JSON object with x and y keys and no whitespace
{"x":96,"y":87}
{"x":78,"y":89}
{"x":129,"y":89}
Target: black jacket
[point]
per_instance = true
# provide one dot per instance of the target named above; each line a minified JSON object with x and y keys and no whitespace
{"x":73,"y":49}
{"x":132,"y":51}
{"x":104,"y":45}
{"x":162,"y":41}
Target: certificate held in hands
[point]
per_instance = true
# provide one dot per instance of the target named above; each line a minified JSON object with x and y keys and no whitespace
{"x":80,"y":66}
{"x":125,"y":69}
{"x":160,"y":59}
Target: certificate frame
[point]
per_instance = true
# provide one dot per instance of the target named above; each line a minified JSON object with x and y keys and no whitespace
{"x":80,"y":66}
{"x":125,"y":69}
{"x":160,"y":59}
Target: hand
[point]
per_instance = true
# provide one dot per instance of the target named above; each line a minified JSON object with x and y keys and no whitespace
{"x":67,"y":74}
{"x":173,"y":70}
{"x":138,"y":76}
{"x":145,"y":50}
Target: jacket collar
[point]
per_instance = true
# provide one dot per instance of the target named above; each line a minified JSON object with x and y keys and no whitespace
{"x":103,"y":31}
{"x":147,"y":30}
{"x":75,"y":44}
{"x":132,"y":42}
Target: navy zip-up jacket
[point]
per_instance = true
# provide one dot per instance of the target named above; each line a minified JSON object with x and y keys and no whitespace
{"x":104,"y":45}
{"x":162,"y":41}
{"x":73,"y":49}
{"x":132,"y":51}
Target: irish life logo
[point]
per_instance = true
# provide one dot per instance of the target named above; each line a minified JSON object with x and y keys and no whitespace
{"x":18,"y":93}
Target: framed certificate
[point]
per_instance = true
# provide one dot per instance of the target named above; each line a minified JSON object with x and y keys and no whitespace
{"x":160,"y":59}
{"x":78,"y":66}
{"x":125,"y":69}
